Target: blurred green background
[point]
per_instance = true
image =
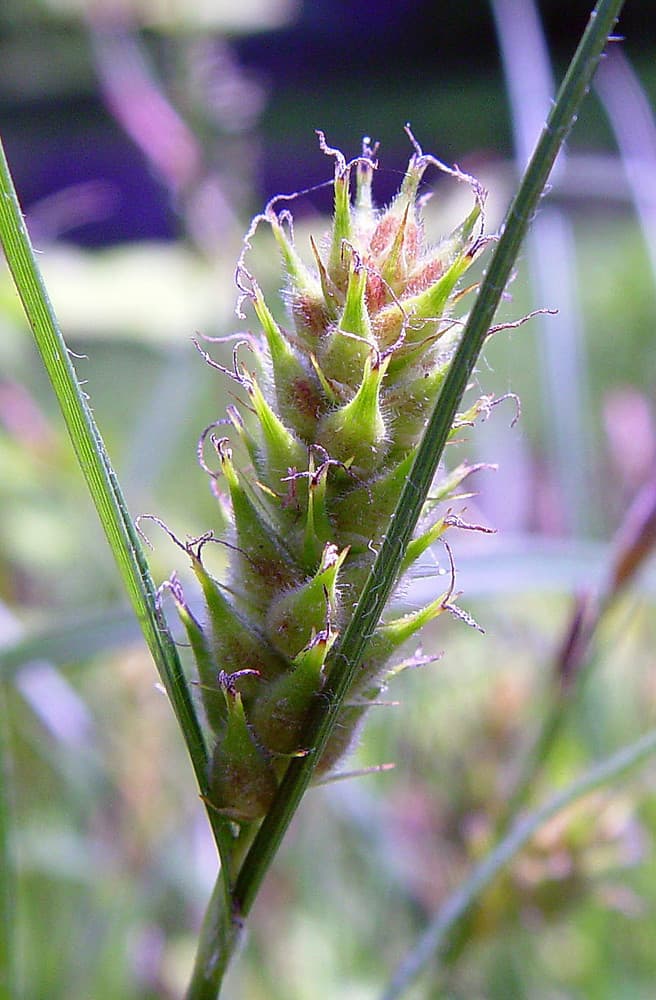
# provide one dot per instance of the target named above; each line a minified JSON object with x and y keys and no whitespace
{"x":143,"y":135}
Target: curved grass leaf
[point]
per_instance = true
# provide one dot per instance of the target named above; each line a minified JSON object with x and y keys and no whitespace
{"x":100,"y":478}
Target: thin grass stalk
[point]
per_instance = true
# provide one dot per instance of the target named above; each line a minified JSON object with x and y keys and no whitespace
{"x":435,"y":937}
{"x":386,"y":567}
{"x":8,"y":985}
{"x":100,"y":478}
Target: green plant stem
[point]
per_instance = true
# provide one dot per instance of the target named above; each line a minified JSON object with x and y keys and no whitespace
{"x":101,"y":480}
{"x":434,"y":938}
{"x":386,"y":567}
{"x":219,"y":936}
{"x":221,"y":925}
{"x":8,"y":989}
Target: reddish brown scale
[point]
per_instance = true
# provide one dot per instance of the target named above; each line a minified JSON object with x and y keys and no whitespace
{"x":310,"y":317}
{"x":412,"y":242}
{"x":426,"y":277}
{"x":383,"y":234}
{"x":306,"y":398}
{"x":387,"y":326}
{"x":274,"y":575}
{"x":376,"y":293}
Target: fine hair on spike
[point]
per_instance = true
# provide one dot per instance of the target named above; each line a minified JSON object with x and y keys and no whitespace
{"x":370,"y":151}
{"x":242,"y":335}
{"x":239,"y":373}
{"x":192,"y":547}
{"x":266,"y":216}
{"x":200,"y":447}
{"x":341,"y":166}
{"x":454,"y":521}
{"x":480,"y":193}
{"x":514,"y":324}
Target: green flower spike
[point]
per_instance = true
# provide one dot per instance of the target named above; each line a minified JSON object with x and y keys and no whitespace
{"x":331,"y":420}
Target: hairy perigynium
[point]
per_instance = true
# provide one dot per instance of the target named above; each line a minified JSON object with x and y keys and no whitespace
{"x":339,"y":400}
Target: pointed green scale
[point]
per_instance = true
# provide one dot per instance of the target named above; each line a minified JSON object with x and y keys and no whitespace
{"x":342,"y":230}
{"x":212,"y":698}
{"x":295,"y":615}
{"x":356,"y":432}
{"x":364,"y":176}
{"x":262,"y":565}
{"x":236,"y":643}
{"x":307,"y":302}
{"x":411,"y":181}
{"x":431,"y":266}
{"x":452,"y":480}
{"x":422,"y":310}
{"x":432,"y":302}
{"x":278,"y":716}
{"x":282,"y":451}
{"x":279,"y":348}
{"x":242,"y":782}
{"x":392,"y":226}
{"x":388,"y":639}
{"x":350,"y":343}
{"x":355,"y":318}
{"x":300,"y":275}
{"x":401,"y":208}
{"x":298,"y":391}
{"x":418,"y":546}
{"x":433,"y":352}
{"x":246,"y":438}
{"x":364,"y":214}
{"x":457,"y":241}
{"x":394,"y":270}
{"x":333,"y":296}
{"x":361,"y":514}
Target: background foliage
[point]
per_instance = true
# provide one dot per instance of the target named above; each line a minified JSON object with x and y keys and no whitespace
{"x":139,"y":156}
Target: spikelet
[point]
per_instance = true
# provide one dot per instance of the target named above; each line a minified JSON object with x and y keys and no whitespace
{"x":337,"y":408}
